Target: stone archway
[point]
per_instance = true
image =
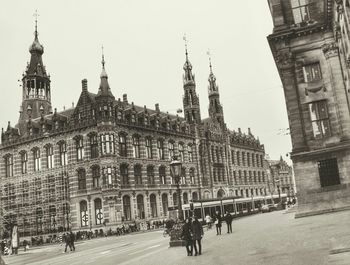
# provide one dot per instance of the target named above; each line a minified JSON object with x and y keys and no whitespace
{"x":221,"y":193}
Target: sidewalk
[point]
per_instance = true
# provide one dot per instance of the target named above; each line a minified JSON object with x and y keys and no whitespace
{"x":271,"y":238}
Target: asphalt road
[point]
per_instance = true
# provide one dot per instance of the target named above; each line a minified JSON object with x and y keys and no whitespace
{"x":274,"y":238}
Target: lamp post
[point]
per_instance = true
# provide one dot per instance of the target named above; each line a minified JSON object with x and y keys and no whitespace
{"x":175,"y":167}
{"x":176,"y":231}
{"x":277,"y":181}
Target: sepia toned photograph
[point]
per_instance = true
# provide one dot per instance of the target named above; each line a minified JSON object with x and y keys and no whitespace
{"x":175,"y":132}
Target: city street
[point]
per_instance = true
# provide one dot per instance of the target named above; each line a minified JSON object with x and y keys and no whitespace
{"x":269,"y":238}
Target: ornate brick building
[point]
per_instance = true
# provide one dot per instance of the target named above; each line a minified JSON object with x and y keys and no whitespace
{"x":282,"y":176}
{"x":310,"y":43}
{"x":106,"y":160}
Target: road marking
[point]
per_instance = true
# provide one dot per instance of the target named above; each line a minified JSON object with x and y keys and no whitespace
{"x":141,"y":250}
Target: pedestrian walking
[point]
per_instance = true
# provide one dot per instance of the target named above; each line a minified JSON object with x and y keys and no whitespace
{"x":198,"y":233}
{"x":187,"y":236}
{"x":208,"y":221}
{"x":218,"y":220}
{"x":66,"y":239}
{"x":71,"y":241}
{"x":228,"y":219}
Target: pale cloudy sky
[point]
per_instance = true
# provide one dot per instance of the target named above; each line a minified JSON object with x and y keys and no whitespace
{"x":144,"y":53}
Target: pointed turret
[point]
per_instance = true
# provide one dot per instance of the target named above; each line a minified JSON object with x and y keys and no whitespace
{"x":36,"y":99}
{"x":215,"y":107}
{"x":104,"y":90}
{"x":190,"y":98}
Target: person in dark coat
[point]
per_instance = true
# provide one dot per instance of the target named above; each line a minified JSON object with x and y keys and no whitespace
{"x":187,"y":236}
{"x":198,"y":233}
{"x":71,"y":240}
{"x":66,"y":239}
{"x":228,"y":219}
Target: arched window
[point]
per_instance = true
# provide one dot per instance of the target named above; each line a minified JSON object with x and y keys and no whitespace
{"x":138,"y":174}
{"x":39,"y":220}
{"x":81,"y":179}
{"x":107,"y":176}
{"x":194,"y":196}
{"x":36,"y":157}
{"x":192,"y":176}
{"x":190,"y":153}
{"x":79,"y":147}
{"x":49,"y":156}
{"x":52,"y":215}
{"x":206,"y":195}
{"x":185,"y":197}
{"x":126,"y":208}
{"x":65,"y":211}
{"x":171,"y":149}
{"x":149,"y":147}
{"x":98,"y":211}
{"x":165,"y":203}
{"x":140,"y":206}
{"x":160,"y":148}
{"x":150,"y":175}
{"x":93,"y":146}
{"x":84,"y":217}
{"x":162,"y":176}
{"x":95,"y":176}
{"x":24,"y":162}
{"x":181,"y":152}
{"x":183,"y":175}
{"x":122,"y":145}
{"x":9,"y":165}
{"x":124,"y":172}
{"x":62,"y":148}
{"x":136,"y":146}
{"x":175,"y":199}
{"x":153,"y":202}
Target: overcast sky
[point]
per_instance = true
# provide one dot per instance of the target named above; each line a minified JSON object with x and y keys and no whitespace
{"x":144,"y":53}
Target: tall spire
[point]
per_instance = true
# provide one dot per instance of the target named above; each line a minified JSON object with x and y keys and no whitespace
{"x":215,"y":107}
{"x":190,"y":98}
{"x":213,"y":88}
{"x":36,"y":89}
{"x":188,"y":76}
{"x":104,"y":89}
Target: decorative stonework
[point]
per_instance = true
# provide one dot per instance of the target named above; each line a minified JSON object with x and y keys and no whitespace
{"x":284,"y":58}
{"x":330,"y":49}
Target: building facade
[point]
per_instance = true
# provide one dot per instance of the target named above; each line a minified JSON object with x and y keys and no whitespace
{"x":106,"y":160}
{"x":310,"y":43}
{"x":281,"y":177}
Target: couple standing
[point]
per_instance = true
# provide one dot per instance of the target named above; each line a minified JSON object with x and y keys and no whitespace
{"x":192,"y":232}
{"x":218,"y":220}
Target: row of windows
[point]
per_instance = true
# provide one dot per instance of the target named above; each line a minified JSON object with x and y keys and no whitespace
{"x":140,"y":207}
{"x":109,"y":175}
{"x":246,"y":159}
{"x":185,"y":152}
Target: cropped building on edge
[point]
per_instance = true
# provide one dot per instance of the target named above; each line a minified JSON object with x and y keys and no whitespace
{"x":310,"y":45}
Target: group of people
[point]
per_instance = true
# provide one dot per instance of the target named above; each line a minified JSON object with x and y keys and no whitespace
{"x":192,"y":233}
{"x":69,"y":239}
{"x":218,"y":219}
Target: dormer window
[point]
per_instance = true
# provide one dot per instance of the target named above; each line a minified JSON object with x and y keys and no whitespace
{"x":300,"y":11}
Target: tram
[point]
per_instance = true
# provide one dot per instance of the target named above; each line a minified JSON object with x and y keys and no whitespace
{"x":236,"y":206}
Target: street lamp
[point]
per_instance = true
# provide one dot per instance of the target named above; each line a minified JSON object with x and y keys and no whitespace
{"x":176,"y":231}
{"x":277,"y":181}
{"x":175,"y":167}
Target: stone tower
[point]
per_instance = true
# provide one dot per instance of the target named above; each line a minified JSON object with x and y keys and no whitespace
{"x":215,"y":107}
{"x":190,"y":98}
{"x":36,"y":97}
